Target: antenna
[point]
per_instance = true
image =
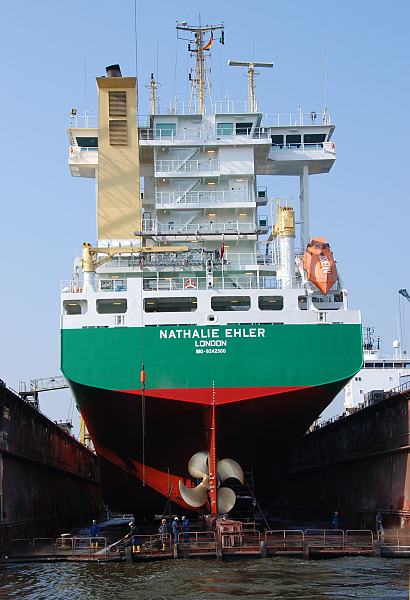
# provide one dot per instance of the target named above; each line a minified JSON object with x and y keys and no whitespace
{"x":153,"y":85}
{"x":252,"y":106}
{"x":200,"y":49}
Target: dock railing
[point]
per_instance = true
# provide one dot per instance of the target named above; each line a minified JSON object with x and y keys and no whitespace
{"x":397,"y":539}
{"x":325,"y":538}
{"x":282,"y":540}
{"x":241,"y":541}
{"x":359,"y":539}
{"x":198,"y":543}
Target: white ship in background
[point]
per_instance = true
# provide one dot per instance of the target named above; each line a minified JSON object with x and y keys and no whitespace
{"x":379,"y":374}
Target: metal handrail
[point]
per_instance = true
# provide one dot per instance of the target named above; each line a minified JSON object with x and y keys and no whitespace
{"x":319,"y":537}
{"x":231,"y":282}
{"x":227,"y":107}
{"x":189,"y":166}
{"x":236,"y":227}
{"x":284,"y":538}
{"x":203,"y":198}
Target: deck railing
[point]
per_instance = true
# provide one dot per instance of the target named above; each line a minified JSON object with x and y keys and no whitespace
{"x":189,"y":166}
{"x":203,"y":198}
{"x":228,"y":228}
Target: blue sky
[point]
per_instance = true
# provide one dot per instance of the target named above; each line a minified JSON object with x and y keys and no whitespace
{"x":52,"y":52}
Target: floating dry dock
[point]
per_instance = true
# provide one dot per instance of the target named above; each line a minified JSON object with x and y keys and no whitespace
{"x":357,"y":464}
{"x":308,"y":544}
{"x":49,"y":482}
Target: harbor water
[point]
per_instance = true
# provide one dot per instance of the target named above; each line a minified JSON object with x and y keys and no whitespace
{"x":360,"y":578}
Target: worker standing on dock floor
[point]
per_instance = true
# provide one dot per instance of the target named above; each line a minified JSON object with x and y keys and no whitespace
{"x":175,"y":529}
{"x":379,"y":526}
{"x":185,"y":529}
{"x":135,"y":540}
{"x":163,"y":532}
{"x":336,"y":520}
{"x":94,"y":533}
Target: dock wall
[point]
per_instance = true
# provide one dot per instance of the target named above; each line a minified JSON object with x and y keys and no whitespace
{"x":49,"y":482}
{"x":358,"y":465}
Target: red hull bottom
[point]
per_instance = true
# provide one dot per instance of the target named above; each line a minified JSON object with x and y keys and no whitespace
{"x":257,"y":432}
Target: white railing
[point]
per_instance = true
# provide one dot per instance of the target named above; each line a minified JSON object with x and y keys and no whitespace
{"x":296,"y":119}
{"x":68,"y":286}
{"x":231,"y":106}
{"x":208,"y":134}
{"x":203,"y":198}
{"x":228,"y":282}
{"x":189,"y":166}
{"x":299,"y":118}
{"x":324,"y":148}
{"x":84,"y":122}
{"x":235,"y":227}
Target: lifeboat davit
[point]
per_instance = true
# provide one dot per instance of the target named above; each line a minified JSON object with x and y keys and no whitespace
{"x":320,"y":265}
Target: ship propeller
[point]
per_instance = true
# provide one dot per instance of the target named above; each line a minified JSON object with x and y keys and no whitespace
{"x":198,"y":468}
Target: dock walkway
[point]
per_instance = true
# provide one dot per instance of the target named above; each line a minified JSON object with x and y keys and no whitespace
{"x":308,"y":544}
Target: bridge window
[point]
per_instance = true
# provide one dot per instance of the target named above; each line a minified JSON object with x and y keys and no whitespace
{"x":111,"y":307}
{"x":243,"y":128}
{"x":314,"y":138}
{"x":224,"y":129}
{"x":224,"y":303}
{"x":165,"y":130}
{"x":270,"y":302}
{"x":87,"y":142}
{"x":294,"y":141}
{"x":277,"y":140}
{"x":154,"y":305}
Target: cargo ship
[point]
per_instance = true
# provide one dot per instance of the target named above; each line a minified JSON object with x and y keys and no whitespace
{"x":205,"y":330}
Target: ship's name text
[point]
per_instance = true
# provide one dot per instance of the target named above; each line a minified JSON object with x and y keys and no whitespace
{"x":211,"y":333}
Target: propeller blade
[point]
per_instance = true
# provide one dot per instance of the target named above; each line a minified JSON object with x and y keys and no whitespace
{"x":226,"y":500}
{"x":227,"y":467}
{"x":198,"y":465}
{"x":194,"y":497}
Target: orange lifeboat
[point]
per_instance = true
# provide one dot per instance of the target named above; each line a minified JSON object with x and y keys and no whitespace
{"x":320,"y":265}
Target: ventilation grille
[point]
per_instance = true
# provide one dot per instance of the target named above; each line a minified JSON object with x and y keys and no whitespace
{"x":117,"y":104}
{"x":118,"y":133}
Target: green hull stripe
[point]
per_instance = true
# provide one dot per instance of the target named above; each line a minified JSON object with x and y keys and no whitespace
{"x":195,"y":357}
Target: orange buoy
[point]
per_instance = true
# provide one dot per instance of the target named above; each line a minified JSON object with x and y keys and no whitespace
{"x":320,"y":265}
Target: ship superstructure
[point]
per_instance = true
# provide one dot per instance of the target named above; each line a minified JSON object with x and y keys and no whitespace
{"x":194,"y":306}
{"x":380,"y":373}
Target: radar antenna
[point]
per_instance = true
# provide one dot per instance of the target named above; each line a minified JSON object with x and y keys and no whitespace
{"x":200,"y":49}
{"x":252,"y":104}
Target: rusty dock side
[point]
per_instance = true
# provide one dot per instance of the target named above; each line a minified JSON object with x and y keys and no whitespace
{"x":49,"y":482}
{"x":358,"y":464}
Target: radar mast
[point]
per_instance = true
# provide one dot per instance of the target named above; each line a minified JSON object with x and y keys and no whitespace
{"x":201,"y":47}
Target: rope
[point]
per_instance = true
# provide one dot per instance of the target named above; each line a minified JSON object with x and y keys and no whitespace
{"x":257,"y":504}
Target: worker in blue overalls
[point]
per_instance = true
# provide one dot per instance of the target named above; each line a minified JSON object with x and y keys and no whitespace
{"x":175,"y":529}
{"x":185,"y":529}
{"x":94,"y":533}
